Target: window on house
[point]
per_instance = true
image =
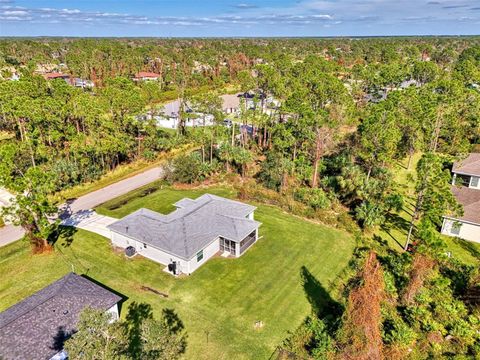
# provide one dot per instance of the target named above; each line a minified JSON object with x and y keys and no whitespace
{"x":200,"y":256}
{"x":455,"y":230}
{"x":474,"y":181}
{"x":462,"y":180}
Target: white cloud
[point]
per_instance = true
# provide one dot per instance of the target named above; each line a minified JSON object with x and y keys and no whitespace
{"x":15,"y":12}
{"x":304,"y":12}
{"x":245,"y":6}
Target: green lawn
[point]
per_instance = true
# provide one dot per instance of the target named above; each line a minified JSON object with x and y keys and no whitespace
{"x":221,"y":301}
{"x":395,"y":229}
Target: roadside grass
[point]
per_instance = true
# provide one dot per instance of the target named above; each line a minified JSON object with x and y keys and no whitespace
{"x":158,"y":197}
{"x":122,"y":172}
{"x":394,"y":231}
{"x":220,"y":303}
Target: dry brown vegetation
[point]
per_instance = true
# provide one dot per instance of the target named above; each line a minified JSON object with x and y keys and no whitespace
{"x":421,"y":268}
{"x":361,"y":330}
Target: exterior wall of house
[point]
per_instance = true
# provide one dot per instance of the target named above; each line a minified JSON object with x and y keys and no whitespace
{"x":149,"y":252}
{"x":208,"y":252}
{"x":172,"y":122}
{"x":466,"y":231}
{"x":159,"y":256}
{"x":169,"y":123}
{"x":114,"y":311}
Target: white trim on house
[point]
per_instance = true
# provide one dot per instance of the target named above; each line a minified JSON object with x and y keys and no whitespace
{"x":189,"y":235}
{"x":460,"y":228}
{"x":187,"y":266}
{"x":473,"y":182}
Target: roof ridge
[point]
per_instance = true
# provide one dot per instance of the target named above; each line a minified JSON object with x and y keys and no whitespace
{"x":185,"y":243}
{"x":188,"y":212}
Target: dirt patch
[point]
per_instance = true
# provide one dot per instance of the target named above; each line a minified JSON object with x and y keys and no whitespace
{"x":149,"y":289}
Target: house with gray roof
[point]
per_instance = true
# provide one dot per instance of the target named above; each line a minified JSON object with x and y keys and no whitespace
{"x":36,"y":327}
{"x":187,"y":237}
{"x":466,"y":189}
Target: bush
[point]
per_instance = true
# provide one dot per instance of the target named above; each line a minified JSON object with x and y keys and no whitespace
{"x":189,"y":169}
{"x":315,"y":198}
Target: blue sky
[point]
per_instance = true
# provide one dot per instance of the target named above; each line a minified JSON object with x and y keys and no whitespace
{"x":220,"y":18}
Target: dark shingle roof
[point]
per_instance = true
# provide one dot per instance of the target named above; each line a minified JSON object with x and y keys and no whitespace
{"x":34,"y":327}
{"x":191,"y":227}
{"x":470,"y":199}
{"x":468,"y":166}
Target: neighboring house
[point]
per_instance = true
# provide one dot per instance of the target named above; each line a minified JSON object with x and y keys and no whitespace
{"x":56,"y":75}
{"x":187,"y":237}
{"x":82,"y":83}
{"x":467,"y":172}
{"x":36,"y":327}
{"x":77,"y":82}
{"x":169,"y":116}
{"x":230,"y":103}
{"x":466,"y":188}
{"x":146,"y":76}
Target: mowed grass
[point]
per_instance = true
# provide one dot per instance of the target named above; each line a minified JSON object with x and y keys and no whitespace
{"x":220,"y":303}
{"x":394,"y":231}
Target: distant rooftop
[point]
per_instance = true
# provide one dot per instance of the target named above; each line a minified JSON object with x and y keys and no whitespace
{"x":191,"y":227}
{"x":143,"y":74}
{"x":34,"y":327}
{"x":230,"y":101}
{"x":468,"y":166}
{"x":55,"y":75}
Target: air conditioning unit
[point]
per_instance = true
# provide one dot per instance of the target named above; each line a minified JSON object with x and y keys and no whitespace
{"x":130,"y":251}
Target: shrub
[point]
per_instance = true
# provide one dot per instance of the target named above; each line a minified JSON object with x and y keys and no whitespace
{"x":189,"y":169}
{"x":315,"y":198}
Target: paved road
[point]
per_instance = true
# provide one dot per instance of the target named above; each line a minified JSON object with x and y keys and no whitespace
{"x":9,"y":233}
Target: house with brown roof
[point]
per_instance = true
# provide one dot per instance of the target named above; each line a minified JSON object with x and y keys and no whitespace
{"x":466,"y":189}
{"x":56,"y":75}
{"x":146,"y":76}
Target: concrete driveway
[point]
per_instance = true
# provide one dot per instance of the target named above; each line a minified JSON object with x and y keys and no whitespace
{"x":91,"y":221}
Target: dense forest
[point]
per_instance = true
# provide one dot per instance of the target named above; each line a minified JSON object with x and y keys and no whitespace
{"x":346,"y":113}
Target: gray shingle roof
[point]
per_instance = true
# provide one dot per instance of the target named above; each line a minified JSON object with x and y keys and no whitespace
{"x":191,"y":227}
{"x":468,"y":166}
{"x":34,"y":327}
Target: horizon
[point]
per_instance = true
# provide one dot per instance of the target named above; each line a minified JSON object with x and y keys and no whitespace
{"x":238,"y":19}
{"x":119,"y":37}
